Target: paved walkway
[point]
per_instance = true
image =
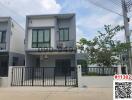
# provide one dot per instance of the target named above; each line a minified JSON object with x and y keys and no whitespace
{"x":55,"y":93}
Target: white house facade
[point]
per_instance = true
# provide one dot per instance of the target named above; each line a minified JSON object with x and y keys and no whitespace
{"x":11,"y":45}
{"x":50,"y":40}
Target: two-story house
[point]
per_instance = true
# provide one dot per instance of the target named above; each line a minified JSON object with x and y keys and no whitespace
{"x":51,"y":41}
{"x":11,"y":44}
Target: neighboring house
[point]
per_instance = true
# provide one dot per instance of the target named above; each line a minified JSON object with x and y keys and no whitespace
{"x":11,"y":45}
{"x":51,"y":41}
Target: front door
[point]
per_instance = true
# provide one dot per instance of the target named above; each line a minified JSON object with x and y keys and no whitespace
{"x":37,"y":62}
{"x":62,"y":66}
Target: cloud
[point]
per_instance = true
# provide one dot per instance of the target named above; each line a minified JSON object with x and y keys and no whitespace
{"x":80,"y":34}
{"x":120,"y":36}
{"x":18,"y":9}
{"x":98,"y":21}
{"x":51,"y":6}
{"x":32,"y":7}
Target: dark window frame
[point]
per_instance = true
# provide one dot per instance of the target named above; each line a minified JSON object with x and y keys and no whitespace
{"x":63,"y":34}
{"x":1,"y":40}
{"x":44,"y":42}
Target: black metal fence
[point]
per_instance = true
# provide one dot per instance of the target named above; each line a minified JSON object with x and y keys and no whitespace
{"x":99,"y":71}
{"x":43,"y":76}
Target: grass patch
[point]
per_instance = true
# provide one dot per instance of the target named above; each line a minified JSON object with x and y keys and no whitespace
{"x":90,"y":74}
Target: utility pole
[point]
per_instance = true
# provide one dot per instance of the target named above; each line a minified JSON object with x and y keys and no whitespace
{"x":127,"y":35}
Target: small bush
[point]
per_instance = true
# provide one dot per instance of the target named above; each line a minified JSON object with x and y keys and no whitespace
{"x":90,"y":74}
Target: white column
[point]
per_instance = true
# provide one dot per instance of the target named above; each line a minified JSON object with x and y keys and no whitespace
{"x":119,"y":69}
{"x":9,"y":75}
{"x":126,"y":69}
{"x":53,"y":40}
{"x":79,"y":75}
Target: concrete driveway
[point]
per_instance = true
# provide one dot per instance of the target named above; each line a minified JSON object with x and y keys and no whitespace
{"x":55,"y":93}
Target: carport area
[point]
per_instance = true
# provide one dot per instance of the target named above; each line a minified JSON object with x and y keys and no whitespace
{"x":4,"y":64}
{"x":55,"y":93}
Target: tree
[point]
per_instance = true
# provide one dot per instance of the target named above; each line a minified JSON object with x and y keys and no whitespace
{"x":102,"y":49}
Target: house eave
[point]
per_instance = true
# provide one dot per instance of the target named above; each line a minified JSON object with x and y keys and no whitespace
{"x":69,"y":15}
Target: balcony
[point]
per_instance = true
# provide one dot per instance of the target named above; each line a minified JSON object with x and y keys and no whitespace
{"x":2,"y":46}
{"x":61,"y":46}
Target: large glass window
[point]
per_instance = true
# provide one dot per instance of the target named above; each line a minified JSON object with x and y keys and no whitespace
{"x":2,"y":36}
{"x":40,"y":35}
{"x":34,"y":39}
{"x":64,"y":34}
{"x":41,"y":38}
{"x":47,"y":36}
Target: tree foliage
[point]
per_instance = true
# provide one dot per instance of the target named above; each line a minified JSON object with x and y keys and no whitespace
{"x":103,"y":49}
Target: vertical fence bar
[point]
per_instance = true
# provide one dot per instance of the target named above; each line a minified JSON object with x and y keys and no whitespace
{"x":65,"y":77}
{"x":22,"y":78}
{"x":17,"y":76}
{"x":43,"y":76}
{"x":87,"y":70}
{"x":76,"y":76}
{"x":54,"y":75}
{"x":12,"y":77}
{"x":103,"y":71}
{"x":100,"y":71}
{"x":32,"y":75}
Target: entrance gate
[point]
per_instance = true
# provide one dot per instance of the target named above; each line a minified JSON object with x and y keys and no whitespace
{"x":43,"y":76}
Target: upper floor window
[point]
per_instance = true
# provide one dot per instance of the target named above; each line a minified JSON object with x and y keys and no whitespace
{"x":40,"y":38}
{"x":64,"y":34}
{"x":2,"y":36}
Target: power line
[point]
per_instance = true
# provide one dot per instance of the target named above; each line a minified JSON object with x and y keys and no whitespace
{"x":119,"y":4}
{"x":115,"y":2}
{"x":115,"y":6}
{"x":98,"y":5}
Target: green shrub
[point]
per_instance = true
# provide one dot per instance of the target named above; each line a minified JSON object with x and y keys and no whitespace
{"x":90,"y":74}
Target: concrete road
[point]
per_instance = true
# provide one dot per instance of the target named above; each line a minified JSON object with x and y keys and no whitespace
{"x":55,"y":93}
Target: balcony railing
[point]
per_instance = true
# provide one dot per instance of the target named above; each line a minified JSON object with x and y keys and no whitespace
{"x":56,"y":49}
{"x":65,"y":44}
{"x":2,"y":46}
{"x":61,"y":46}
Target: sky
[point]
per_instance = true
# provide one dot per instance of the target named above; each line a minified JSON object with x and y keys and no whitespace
{"x":89,"y":18}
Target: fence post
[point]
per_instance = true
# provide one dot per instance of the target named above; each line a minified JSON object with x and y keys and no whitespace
{"x":79,"y":75}
{"x":119,"y":70}
{"x":10,"y":76}
{"x":126,"y":70}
